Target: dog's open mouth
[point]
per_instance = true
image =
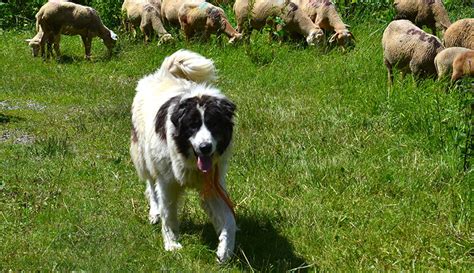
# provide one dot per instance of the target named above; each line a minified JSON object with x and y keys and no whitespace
{"x":204,"y":163}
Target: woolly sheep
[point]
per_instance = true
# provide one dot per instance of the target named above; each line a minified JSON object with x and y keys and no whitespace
{"x":35,"y":42}
{"x":261,"y":12}
{"x":324,"y":14}
{"x":463,"y":65}
{"x":444,"y":60}
{"x":170,"y":9}
{"x":145,"y":14}
{"x":430,"y":13}
{"x":460,"y":33}
{"x":205,"y":18}
{"x":151,"y":21}
{"x":409,"y":48}
{"x":56,"y":18}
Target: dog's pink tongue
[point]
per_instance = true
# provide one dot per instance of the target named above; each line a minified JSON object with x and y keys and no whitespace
{"x":204,"y":163}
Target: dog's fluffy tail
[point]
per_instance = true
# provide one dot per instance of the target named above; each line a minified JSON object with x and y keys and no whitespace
{"x":188,"y":65}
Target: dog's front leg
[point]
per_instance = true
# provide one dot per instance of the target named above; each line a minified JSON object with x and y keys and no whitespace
{"x":224,"y":223}
{"x":168,"y":194}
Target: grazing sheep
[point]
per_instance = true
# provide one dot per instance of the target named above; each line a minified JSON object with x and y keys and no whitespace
{"x":35,"y":42}
{"x":463,"y":65}
{"x":430,"y":13}
{"x":324,"y":14}
{"x":170,"y":9}
{"x":460,"y":33}
{"x":263,"y":12}
{"x":56,"y":18}
{"x":151,"y":21}
{"x":205,"y":18}
{"x":444,"y":60}
{"x":145,"y":14}
{"x":409,"y":48}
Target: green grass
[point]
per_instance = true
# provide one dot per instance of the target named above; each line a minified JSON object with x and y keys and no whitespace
{"x":331,"y":171}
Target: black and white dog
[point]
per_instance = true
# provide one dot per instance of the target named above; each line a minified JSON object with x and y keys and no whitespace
{"x":182,"y":137}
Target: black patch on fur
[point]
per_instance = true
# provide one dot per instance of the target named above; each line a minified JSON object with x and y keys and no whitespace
{"x":160,"y":119}
{"x":218,"y":114}
{"x":422,"y":36}
{"x":134,"y":135}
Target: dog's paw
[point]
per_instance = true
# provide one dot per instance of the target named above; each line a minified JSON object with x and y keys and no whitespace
{"x":173,"y":246}
{"x":154,"y":218}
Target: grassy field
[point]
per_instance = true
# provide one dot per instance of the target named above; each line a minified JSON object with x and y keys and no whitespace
{"x":331,"y":170}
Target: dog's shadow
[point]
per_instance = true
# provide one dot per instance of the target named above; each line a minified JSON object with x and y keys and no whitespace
{"x":259,"y":245}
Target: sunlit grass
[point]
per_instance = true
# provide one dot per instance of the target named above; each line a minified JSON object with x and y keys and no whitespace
{"x":331,"y":170}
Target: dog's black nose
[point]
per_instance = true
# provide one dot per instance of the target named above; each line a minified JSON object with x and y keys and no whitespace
{"x":205,"y":148}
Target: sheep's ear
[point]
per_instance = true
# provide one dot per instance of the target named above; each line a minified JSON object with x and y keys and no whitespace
{"x":113,"y":36}
{"x":28,"y":41}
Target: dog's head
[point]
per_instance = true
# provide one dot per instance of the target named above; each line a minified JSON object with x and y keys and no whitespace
{"x":203,"y":128}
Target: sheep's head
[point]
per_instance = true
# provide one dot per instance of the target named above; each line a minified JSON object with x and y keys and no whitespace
{"x":35,"y":46}
{"x":111,"y":40}
{"x":342,"y":38}
{"x":315,"y":36}
{"x":165,"y":38}
{"x":237,"y":37}
{"x":216,"y":19}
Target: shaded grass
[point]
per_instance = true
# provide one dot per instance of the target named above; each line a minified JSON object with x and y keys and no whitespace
{"x":330,"y":169}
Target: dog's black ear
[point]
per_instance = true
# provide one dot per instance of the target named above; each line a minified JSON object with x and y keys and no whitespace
{"x":178,"y":113}
{"x":228,"y":108}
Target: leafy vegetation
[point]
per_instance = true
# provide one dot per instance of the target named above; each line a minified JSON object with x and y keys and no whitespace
{"x":331,"y":170}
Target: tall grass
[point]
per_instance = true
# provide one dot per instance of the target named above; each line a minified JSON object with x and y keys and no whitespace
{"x":331,"y":171}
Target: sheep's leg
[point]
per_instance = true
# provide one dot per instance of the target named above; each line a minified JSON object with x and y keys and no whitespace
{"x":389,"y":71}
{"x":168,"y":195}
{"x":87,"y":45}
{"x":56,"y":41}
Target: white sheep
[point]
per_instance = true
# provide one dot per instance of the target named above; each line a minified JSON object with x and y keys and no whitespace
{"x":324,"y":14}
{"x":147,"y":15}
{"x":444,"y":60}
{"x":409,"y":48}
{"x":262,"y":12}
{"x":205,"y":18}
{"x":460,"y":33}
{"x":170,"y":9}
{"x":35,"y":42}
{"x":151,"y":21}
{"x":463,"y":65}
{"x":56,"y":18}
{"x":429,"y":13}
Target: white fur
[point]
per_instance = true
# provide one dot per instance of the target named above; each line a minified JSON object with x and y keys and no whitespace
{"x":158,"y":162}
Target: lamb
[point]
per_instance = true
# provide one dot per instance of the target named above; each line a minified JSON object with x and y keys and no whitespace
{"x":145,"y":14}
{"x":205,"y":18}
{"x":56,"y":18}
{"x":460,"y":33}
{"x":463,"y":65}
{"x":409,"y":48}
{"x":261,"y":12}
{"x":430,"y":13}
{"x":444,"y":60}
{"x":324,"y":14}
